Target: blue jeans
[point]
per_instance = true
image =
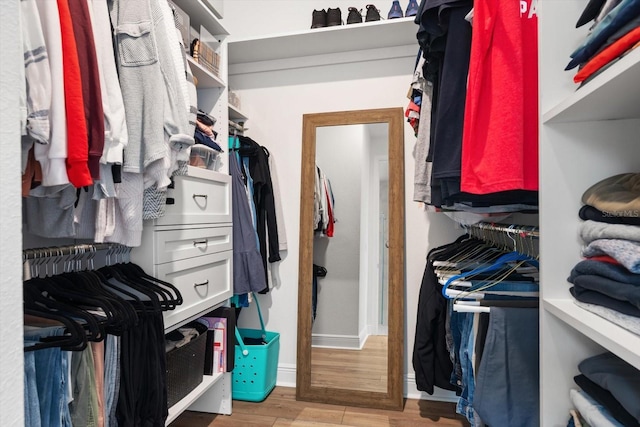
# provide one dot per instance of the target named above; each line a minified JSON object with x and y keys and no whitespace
{"x":51,"y":380}
{"x":456,"y":320}
{"x":507,"y":392}
{"x":467,"y":345}
{"x":111,"y":378}
{"x":31,"y":401}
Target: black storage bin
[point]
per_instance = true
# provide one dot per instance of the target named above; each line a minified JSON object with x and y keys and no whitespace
{"x":185,"y":366}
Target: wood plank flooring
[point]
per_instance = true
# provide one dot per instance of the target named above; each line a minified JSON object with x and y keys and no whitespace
{"x":281,"y":409}
{"x":364,"y":369}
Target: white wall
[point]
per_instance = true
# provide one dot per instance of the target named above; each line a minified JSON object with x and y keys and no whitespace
{"x":275,"y":102}
{"x":11,"y":359}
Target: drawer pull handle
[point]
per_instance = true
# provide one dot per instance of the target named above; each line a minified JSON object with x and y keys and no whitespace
{"x":200,"y":195}
{"x":205,"y":283}
{"x":200,"y":242}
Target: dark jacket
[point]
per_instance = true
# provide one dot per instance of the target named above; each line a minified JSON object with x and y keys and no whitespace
{"x":266,"y":225}
{"x":431,"y":361}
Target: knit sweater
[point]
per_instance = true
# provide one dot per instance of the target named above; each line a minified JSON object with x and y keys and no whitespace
{"x":141,"y":82}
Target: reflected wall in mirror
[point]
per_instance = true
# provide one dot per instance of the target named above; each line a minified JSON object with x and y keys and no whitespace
{"x":351,"y":282}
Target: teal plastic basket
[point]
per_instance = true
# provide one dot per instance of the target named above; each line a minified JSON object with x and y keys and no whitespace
{"x":256,"y":366}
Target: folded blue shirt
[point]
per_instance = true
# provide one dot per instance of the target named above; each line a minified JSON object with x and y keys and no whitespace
{"x":619,"y":16}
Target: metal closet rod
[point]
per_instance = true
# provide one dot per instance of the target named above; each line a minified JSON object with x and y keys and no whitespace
{"x":519,"y":238}
{"x":525,"y":230}
{"x":76,"y":249}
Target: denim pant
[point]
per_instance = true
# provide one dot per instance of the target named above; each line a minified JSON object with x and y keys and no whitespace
{"x":461,"y":326}
{"x":31,"y":400}
{"x":111,"y":379}
{"x":507,"y":387}
{"x":454,"y":338}
{"x":51,"y":387}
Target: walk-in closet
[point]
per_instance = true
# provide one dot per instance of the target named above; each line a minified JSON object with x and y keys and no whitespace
{"x":413,"y":212}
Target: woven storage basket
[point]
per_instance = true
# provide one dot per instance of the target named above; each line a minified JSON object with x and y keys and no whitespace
{"x":185,"y":368}
{"x":256,"y":365}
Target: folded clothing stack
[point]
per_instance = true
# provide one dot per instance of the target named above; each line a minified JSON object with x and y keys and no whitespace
{"x":609,"y":392}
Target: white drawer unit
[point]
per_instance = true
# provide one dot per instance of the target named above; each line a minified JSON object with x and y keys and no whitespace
{"x":201,"y":197}
{"x":203,"y":282}
{"x":183,"y":243}
{"x":191,"y":247}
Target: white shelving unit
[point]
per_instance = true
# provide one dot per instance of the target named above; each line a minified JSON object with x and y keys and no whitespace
{"x":236,"y":115}
{"x":212,"y":88}
{"x":205,"y":78}
{"x":208,"y":381}
{"x":331,"y":45}
{"x":213,"y":395}
{"x":587,"y":134}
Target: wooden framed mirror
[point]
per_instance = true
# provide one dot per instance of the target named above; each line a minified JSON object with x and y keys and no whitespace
{"x":362,"y":293}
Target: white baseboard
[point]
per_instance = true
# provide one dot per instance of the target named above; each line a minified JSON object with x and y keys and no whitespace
{"x":440,"y":395}
{"x":287,"y":378}
{"x":336,"y":341}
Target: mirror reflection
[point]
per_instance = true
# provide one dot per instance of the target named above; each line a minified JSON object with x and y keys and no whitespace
{"x":351,"y":272}
{"x":350,"y":257}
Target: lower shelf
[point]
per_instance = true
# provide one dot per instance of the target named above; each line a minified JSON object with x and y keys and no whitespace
{"x":207,"y":382}
{"x":618,"y":340}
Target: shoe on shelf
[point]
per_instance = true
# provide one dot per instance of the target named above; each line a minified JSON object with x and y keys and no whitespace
{"x":412,"y":8}
{"x":334,"y":17}
{"x":373,"y":13}
{"x":355,"y":16}
{"x":318,"y":19}
{"x":395,"y":11}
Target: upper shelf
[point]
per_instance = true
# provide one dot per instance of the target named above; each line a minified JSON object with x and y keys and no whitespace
{"x":237,"y":115}
{"x":206,"y":79}
{"x":200,"y":14}
{"x":618,"y":340}
{"x":328,"y":40}
{"x":612,"y":95}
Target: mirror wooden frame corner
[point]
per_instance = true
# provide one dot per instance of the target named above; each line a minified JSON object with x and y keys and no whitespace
{"x":393,"y":398}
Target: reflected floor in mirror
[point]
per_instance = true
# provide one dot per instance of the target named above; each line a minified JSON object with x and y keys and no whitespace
{"x":281,"y":409}
{"x":362,"y":369}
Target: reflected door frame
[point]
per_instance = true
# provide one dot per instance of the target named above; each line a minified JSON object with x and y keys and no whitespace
{"x":393,"y":397}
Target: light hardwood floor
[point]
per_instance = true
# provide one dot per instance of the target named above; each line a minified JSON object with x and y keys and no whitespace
{"x":281,"y":409}
{"x":364,"y":369}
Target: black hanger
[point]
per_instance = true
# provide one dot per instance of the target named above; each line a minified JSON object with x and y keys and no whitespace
{"x":75,"y":289}
{"x":121,"y":281}
{"x":139,"y":276}
{"x":176,"y":297}
{"x":73,"y":340}
{"x":127,"y":307}
{"x":34,"y":298}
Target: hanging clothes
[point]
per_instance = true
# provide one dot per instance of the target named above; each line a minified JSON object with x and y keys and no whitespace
{"x":248,"y":272}
{"x":466,"y":167}
{"x":110,"y":347}
{"x":263,"y":198}
{"x":459,"y":340}
{"x":500,"y":143}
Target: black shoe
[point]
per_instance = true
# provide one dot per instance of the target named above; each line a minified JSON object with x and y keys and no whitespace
{"x":373,"y":14}
{"x":354,"y":17}
{"x":334,"y":17}
{"x":318,"y":18}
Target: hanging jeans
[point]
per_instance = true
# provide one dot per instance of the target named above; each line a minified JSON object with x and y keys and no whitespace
{"x":507,"y":382}
{"x":47,"y":375}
